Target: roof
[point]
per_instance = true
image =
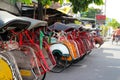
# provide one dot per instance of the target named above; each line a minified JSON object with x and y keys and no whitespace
{"x":87,"y":19}
{"x":49,"y":11}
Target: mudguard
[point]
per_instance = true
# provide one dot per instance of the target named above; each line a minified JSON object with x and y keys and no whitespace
{"x":59,"y":48}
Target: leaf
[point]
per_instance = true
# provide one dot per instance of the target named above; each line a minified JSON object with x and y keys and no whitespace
{"x":67,"y":0}
{"x":61,"y":1}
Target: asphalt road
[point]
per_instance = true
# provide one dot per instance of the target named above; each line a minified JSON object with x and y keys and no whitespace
{"x":101,"y":64}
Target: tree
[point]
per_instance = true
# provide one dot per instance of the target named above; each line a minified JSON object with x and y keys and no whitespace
{"x":78,"y":5}
{"x":113,"y":23}
{"x":90,"y":13}
{"x":82,"y":5}
{"x":23,"y":1}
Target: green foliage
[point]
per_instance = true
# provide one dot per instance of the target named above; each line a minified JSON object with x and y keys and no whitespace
{"x":12,"y":1}
{"x":98,"y":2}
{"x":104,"y":30}
{"x":77,"y":22}
{"x":82,"y":5}
{"x":113,"y":23}
{"x":78,"y":5}
{"x":25,"y":1}
{"x":90,"y":13}
{"x":67,"y":0}
{"x":55,"y":0}
{"x":46,"y":2}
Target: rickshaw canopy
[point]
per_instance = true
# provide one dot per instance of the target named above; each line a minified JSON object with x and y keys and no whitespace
{"x":9,"y":21}
{"x":34,"y":23}
{"x":60,"y":27}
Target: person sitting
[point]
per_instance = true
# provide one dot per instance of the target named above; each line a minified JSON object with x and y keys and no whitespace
{"x":117,"y":34}
{"x":97,"y":39}
{"x":113,"y":36}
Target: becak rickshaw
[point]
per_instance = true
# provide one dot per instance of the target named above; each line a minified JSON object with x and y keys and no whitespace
{"x":80,"y":45}
{"x":63,"y":49}
{"x":87,"y":39}
{"x":37,"y":31}
{"x":11,"y":62}
{"x":83,"y":39}
{"x":19,"y":54}
{"x":79,"y":41}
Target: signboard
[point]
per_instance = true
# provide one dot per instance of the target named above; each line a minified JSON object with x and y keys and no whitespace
{"x":67,"y":4}
{"x":100,"y":19}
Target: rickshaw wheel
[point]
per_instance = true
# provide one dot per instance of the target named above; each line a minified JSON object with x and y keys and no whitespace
{"x":41,"y":77}
{"x":58,"y":60}
{"x":89,"y":52}
{"x":60,"y":64}
{"x":5,"y":69}
{"x":97,"y":45}
{"x":79,"y":59}
{"x":34,"y":69}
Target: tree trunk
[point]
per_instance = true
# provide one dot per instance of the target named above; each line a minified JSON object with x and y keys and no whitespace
{"x":40,"y":10}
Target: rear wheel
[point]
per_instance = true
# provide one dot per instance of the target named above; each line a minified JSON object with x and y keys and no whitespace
{"x":8,"y":68}
{"x":60,"y":64}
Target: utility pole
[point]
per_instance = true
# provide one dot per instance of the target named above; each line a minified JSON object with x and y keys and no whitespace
{"x":105,"y":6}
{"x":105,"y":10}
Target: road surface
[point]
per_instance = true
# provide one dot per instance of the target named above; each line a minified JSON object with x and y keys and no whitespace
{"x":101,"y":64}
